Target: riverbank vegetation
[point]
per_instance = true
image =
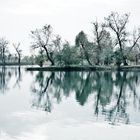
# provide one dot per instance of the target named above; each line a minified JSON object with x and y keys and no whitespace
{"x":17,"y":58}
{"x":112,"y":44}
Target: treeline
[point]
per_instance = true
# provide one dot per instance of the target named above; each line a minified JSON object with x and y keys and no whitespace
{"x":17,"y":58}
{"x":112,"y":44}
{"x":5,"y":55}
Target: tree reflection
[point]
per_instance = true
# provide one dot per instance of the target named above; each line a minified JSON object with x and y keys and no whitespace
{"x":103,"y":88}
{"x":6,"y":74}
{"x":18,"y":76}
{"x":126,"y":86}
{"x":112,"y":92}
{"x":43,"y":100}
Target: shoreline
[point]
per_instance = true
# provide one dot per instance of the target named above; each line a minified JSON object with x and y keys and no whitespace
{"x":85,"y":68}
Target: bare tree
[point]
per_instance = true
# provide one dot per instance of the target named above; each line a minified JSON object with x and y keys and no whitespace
{"x":42,"y":39}
{"x":18,"y":50}
{"x":135,"y":40}
{"x":118,"y":24}
{"x":102,"y":39}
{"x":3,"y":48}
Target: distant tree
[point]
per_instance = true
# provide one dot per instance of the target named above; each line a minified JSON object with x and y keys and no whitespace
{"x":18,"y":51}
{"x":29,"y":59}
{"x":3,"y":49}
{"x":82,"y":41}
{"x":43,"y":39}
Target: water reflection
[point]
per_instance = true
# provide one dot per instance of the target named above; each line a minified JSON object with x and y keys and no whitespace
{"x":18,"y":77}
{"x":112,"y":93}
{"x":6,"y":75}
{"x":78,"y":103}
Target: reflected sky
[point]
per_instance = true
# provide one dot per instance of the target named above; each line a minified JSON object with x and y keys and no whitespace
{"x":69,"y":105}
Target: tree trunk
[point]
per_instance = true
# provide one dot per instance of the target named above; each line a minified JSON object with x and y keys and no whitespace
{"x":98,"y":58}
{"x":124,"y":61}
{"x":3,"y":56}
{"x":121,"y":49}
{"x":19,"y":59}
{"x":48,"y":56}
{"x":86,"y":55}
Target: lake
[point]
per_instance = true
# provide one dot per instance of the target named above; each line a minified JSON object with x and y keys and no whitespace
{"x":69,"y":105}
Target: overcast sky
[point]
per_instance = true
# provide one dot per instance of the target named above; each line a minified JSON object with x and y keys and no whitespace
{"x":67,"y":17}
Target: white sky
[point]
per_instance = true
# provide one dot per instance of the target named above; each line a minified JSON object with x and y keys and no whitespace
{"x":67,"y":17}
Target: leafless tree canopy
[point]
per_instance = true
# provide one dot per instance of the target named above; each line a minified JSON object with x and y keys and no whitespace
{"x":18,"y":51}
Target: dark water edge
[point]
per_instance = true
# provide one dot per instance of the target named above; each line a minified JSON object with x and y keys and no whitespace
{"x":85,"y":68}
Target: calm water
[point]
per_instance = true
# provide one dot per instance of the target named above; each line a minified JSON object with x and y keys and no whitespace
{"x":69,"y":105}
